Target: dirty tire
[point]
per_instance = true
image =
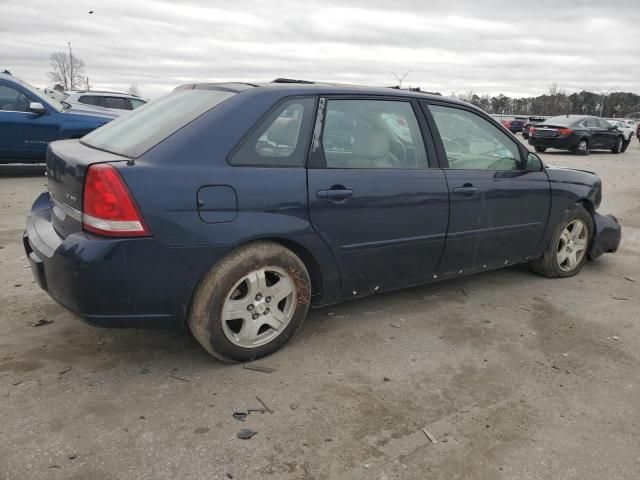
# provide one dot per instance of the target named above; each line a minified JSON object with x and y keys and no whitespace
{"x":617,"y":148}
{"x":625,"y":145}
{"x":204,"y":318}
{"x":540,"y":149}
{"x":547,"y":265}
{"x":582,"y":148}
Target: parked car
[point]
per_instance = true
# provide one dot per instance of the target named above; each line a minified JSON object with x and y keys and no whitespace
{"x":292,"y":196}
{"x":627,"y":131}
{"x":638,"y":132}
{"x":577,"y":133}
{"x":530,"y":123}
{"x":517,"y":124}
{"x":29,"y":120}
{"x":116,"y":101}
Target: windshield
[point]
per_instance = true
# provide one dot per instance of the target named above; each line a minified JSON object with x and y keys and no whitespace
{"x":42,"y":97}
{"x":133,"y":134}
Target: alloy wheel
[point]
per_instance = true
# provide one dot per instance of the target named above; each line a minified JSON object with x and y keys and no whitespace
{"x":259,"y":307}
{"x":572,"y":245}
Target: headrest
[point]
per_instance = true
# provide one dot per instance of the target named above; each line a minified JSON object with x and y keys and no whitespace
{"x":371,"y":145}
{"x":284,"y":131}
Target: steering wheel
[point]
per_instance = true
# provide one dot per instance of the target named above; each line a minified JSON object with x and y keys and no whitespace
{"x":400,"y":153}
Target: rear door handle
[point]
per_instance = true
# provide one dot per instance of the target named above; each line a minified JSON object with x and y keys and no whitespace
{"x":335,"y":194}
{"x":467,"y":190}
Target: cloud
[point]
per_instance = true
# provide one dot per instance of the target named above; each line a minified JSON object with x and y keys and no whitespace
{"x":458,"y":45}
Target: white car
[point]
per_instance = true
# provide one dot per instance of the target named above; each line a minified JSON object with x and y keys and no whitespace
{"x":628,"y":130}
{"x":114,"y":101}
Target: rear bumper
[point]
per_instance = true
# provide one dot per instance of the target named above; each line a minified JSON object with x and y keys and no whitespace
{"x":114,"y":282}
{"x":566,"y":143}
{"x":608,"y":233}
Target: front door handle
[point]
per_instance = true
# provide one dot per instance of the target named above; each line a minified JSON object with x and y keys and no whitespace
{"x":335,"y":194}
{"x":467,"y":190}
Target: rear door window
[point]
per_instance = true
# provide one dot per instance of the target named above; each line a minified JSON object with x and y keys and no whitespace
{"x":281,"y":139}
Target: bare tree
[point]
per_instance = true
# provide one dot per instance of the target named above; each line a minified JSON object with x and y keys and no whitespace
{"x":66,"y":70}
{"x":133,"y":90}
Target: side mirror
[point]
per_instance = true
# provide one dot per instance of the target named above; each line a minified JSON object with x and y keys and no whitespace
{"x":37,"y":108}
{"x":534,"y":163}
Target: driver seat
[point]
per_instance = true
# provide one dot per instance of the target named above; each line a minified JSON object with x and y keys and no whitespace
{"x":371,"y":150}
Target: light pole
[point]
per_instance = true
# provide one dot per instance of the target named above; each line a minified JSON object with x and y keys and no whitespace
{"x":70,"y":67}
{"x":400,"y":79}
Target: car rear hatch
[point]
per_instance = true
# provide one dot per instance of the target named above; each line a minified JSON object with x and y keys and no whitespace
{"x":67,"y":164}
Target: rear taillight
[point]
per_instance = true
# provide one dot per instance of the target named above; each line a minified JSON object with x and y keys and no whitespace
{"x":564,"y":132}
{"x":107,"y":205}
{"x":533,"y":130}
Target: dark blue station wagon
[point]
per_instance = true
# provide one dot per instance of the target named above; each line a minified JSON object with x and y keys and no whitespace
{"x":232,"y":208}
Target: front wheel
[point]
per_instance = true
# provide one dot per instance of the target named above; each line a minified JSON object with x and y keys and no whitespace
{"x":566,"y":253}
{"x":540,"y":149}
{"x":250,"y":303}
{"x":625,"y":145}
{"x":617,"y":147}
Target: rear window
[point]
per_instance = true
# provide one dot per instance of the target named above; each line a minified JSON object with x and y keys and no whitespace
{"x":133,"y":134}
{"x":562,"y":121}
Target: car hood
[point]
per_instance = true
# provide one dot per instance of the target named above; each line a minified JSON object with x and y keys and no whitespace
{"x":89,"y":111}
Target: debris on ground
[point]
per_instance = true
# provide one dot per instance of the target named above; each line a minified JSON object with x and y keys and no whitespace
{"x":246,"y":434}
{"x":429,"y":436}
{"x":259,"y":368}
{"x":64,"y":370}
{"x":264,"y":405}
{"x":293,"y":406}
{"x":240,"y":415}
{"x":616,"y":297}
{"x":524,"y":308}
{"x":16,"y":383}
{"x":631,"y":279}
{"x":464,"y":292}
{"x":366,"y":465}
{"x":42,"y":322}
{"x":386,"y":379}
{"x":179,"y":378}
{"x":615,"y":338}
{"x":394,"y":325}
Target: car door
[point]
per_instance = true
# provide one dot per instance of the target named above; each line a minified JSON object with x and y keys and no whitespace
{"x":373,"y":196}
{"x":499,"y":210}
{"x":23,"y":134}
{"x":598,"y":137}
{"x":608,"y":133}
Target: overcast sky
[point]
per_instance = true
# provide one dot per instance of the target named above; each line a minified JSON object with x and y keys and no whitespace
{"x":514,"y":47}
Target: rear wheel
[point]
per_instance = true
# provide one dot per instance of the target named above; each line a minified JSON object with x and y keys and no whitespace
{"x":617,"y":147}
{"x":540,"y":149}
{"x":567,"y":252}
{"x":582,"y":148}
{"x":250,"y":303}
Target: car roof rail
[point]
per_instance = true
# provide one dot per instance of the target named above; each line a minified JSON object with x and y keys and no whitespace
{"x":292,"y":80}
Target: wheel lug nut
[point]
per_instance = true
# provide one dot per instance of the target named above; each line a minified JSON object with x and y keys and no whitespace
{"x":255,"y":316}
{"x":250,"y":307}
{"x":268,"y":299}
{"x":259,"y":296}
{"x":266,"y":312}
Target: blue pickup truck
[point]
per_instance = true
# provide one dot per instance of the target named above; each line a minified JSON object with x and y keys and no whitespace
{"x":29,"y":120}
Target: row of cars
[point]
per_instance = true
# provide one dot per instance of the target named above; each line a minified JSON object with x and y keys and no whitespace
{"x":576,"y":133}
{"x":31,"y":119}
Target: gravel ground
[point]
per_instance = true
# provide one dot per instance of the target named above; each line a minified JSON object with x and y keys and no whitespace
{"x":515,"y":375}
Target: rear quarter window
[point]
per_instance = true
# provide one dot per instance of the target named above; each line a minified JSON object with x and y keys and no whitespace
{"x":133,"y":134}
